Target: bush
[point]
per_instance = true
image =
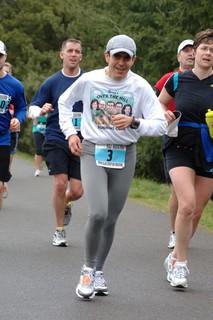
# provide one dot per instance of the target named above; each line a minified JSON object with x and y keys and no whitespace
{"x":149,"y":163}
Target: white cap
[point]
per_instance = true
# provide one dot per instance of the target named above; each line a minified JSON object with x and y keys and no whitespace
{"x":185,"y":43}
{"x":121,"y":43}
{"x":2,"y":48}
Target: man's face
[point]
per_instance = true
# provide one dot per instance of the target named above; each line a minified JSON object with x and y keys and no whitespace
{"x":102,"y":105}
{"x":118,"y":107}
{"x":71,"y":55}
{"x":186,"y":58}
{"x":119,"y":65}
{"x":110,"y":107}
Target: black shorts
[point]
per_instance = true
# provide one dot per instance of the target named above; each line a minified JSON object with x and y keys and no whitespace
{"x":38,"y":139}
{"x":59,"y":159}
{"x":167,"y":176}
{"x":181,"y":156}
{"x":4,"y":163}
{"x":14,"y":136}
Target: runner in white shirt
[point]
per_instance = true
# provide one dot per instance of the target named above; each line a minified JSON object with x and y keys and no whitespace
{"x":108,"y":151}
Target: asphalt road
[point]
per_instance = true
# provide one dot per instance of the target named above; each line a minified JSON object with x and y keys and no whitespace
{"x":38,"y":281}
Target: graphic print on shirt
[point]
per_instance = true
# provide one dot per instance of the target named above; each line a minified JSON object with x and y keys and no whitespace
{"x":105,"y":103}
{"x":4,"y":102}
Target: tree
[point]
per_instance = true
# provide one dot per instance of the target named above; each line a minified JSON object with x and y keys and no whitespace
{"x":34,"y":30}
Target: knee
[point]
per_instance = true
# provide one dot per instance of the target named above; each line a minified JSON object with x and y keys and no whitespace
{"x":186,"y":210}
{"x":60,"y":186}
{"x":97,"y":219}
{"x":75,"y":193}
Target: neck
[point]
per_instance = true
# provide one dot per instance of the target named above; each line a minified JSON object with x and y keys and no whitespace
{"x":2,"y":73}
{"x":71,"y":72}
{"x":202,"y":73}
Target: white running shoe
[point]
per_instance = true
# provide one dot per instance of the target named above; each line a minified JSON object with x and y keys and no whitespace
{"x":168,"y":265}
{"x":172,"y":240}
{"x":37,"y":173}
{"x":5,"y":190}
{"x":85,"y":289}
{"x":59,"y":238}
{"x":100,"y":284}
{"x":179,"y":275}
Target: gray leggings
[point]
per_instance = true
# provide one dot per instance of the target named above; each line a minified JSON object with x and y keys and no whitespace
{"x":106,"y":191}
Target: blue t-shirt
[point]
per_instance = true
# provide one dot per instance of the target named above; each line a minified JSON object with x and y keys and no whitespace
{"x":11,"y":92}
{"x":49,"y":92}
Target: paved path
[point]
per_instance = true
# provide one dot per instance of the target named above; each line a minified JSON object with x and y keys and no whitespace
{"x":37,"y":280}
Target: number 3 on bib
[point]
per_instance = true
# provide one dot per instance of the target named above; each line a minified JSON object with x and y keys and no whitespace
{"x":110,"y":156}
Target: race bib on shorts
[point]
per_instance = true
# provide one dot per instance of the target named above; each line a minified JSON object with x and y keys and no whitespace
{"x":76,"y":120}
{"x":41,"y":128}
{"x":110,"y":155}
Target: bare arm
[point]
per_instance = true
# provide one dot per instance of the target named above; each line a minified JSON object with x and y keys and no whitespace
{"x":165,"y":99}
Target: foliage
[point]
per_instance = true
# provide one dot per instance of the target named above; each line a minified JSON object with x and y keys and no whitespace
{"x":34,"y":30}
{"x":149,"y":163}
{"x":156,"y":195}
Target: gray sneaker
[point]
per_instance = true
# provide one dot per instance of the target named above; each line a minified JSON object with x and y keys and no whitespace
{"x":59,"y":238}
{"x":172,"y":240}
{"x":179,"y":276}
{"x":67,"y":213}
{"x":85,"y":289}
{"x":100,"y":284}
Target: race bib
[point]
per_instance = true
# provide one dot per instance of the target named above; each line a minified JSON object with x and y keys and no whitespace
{"x":110,"y":156}
{"x":4,"y":102}
{"x":76,"y":120}
{"x":41,"y":127}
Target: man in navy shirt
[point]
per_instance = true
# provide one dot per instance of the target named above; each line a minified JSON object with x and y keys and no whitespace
{"x":62,"y":164}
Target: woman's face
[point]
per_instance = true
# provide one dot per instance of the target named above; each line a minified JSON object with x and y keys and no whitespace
{"x":204,"y":55}
{"x":94,"y":105}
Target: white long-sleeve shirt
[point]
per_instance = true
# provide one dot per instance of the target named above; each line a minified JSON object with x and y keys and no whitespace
{"x":133,"y":90}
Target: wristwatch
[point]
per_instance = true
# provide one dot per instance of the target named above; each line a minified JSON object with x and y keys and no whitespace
{"x":135,"y":123}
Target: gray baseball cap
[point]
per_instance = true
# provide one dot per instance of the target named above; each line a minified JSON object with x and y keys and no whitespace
{"x":121,"y":43}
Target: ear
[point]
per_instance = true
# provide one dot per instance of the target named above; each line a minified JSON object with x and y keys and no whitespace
{"x":61,"y":54}
{"x":107,"y":56}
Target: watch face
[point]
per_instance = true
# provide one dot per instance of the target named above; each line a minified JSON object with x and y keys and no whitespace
{"x":136,"y":124}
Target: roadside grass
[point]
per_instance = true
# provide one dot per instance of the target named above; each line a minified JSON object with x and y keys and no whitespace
{"x":153,"y":195}
{"x":156,"y":195}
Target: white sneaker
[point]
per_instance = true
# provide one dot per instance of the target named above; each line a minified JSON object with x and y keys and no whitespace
{"x":179,"y":275}
{"x":172,"y":240}
{"x":59,"y":238}
{"x":100,"y":284}
{"x":37,"y":173}
{"x":168,"y":265}
{"x":85,"y":289}
{"x":5,"y":190}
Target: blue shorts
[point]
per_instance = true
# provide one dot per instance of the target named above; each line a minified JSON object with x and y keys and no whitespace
{"x":59,"y":159}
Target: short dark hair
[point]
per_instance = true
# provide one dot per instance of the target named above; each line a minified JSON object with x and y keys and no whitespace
{"x":64,"y":43}
{"x":205,"y":36}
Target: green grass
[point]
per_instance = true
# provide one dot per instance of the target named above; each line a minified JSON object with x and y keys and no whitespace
{"x":156,"y":195}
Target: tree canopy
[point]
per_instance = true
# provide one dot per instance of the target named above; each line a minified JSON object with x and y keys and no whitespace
{"x":34,"y":30}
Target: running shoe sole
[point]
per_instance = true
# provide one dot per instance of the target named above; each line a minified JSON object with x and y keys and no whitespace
{"x":90,"y":297}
